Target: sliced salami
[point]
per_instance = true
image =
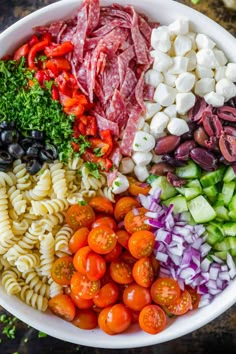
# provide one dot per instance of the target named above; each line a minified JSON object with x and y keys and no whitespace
{"x":129,"y":83}
{"x":93,"y":15}
{"x":139,"y":91}
{"x":129,"y":131}
{"x":110,"y":79}
{"x":123,"y":62}
{"x":117,"y":109}
{"x":148,"y":92}
{"x":79,"y":36}
{"x":104,"y":124}
{"x":108,"y":27}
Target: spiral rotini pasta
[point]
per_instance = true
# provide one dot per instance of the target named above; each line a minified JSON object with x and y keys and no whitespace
{"x":27,"y":262}
{"x":59,"y":179}
{"x":54,"y":288}
{"x":23,"y":181}
{"x":17,"y":200}
{"x":19,"y":227}
{"x":62,"y":240}
{"x":36,"y":283}
{"x":33,"y":299}
{"x":7,"y":179}
{"x":107,"y":193}
{"x":10,"y":282}
{"x":45,"y":207}
{"x":47,"y":251}
{"x":89,"y":181}
{"x":42,"y":187}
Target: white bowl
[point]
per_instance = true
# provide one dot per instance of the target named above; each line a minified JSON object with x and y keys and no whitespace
{"x":164,"y":11}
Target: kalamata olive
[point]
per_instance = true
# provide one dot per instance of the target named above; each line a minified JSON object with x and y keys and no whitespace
{"x":5,"y":158}
{"x":5,"y":168}
{"x":33,"y":166}
{"x":9,"y":136}
{"x":189,"y":135}
{"x":37,"y":135}
{"x":26,"y":143}
{"x":32,"y":152}
{"x":171,"y":160}
{"x":161,"y":169}
{"x":16,"y":150}
{"x":212,"y":124}
{"x":223,"y":160}
{"x":200,"y":136}
{"x":204,"y":159}
{"x":227,"y":145}
{"x":183,"y":150}
{"x":212,"y":143}
{"x":7,"y":125}
{"x":48,"y":154}
{"x":166,"y":144}
{"x":174,"y":180}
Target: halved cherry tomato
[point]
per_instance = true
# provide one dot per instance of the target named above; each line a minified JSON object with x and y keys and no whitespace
{"x":80,"y":259}
{"x":62,"y":306}
{"x":195,"y":296}
{"x":101,"y":205}
{"x":107,"y":295}
{"x":165,"y":291}
{"x":152,"y":319}
{"x":79,"y":239}
{"x":85,"y":319}
{"x":155,"y":264}
{"x":136,"y":297}
{"x":95,"y":266}
{"x":136,"y":187}
{"x":123,"y":206}
{"x":121,"y":272}
{"x":62,"y":270}
{"x":80,"y":215}
{"x":102,"y":239}
{"x":182,"y":305}
{"x":102,"y":320}
{"x":82,"y":286}
{"x":143,"y":272}
{"x":135,"y":220}
{"x":128,"y":258}
{"x":123,"y":238}
{"x":81,"y":303}
{"x":114,"y":254}
{"x":141,"y":243}
{"x":118,"y":318}
{"x":104,"y":220}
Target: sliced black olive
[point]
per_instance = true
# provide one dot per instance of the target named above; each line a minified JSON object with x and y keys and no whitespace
{"x":26,"y":143}
{"x":33,"y":166}
{"x":9,"y":136}
{"x":16,"y":150}
{"x":8,"y":125}
{"x":32,"y":152}
{"x":38,"y":145}
{"x":5,"y":158}
{"x":5,"y":168}
{"x":49,"y":154}
{"x":37,"y":135}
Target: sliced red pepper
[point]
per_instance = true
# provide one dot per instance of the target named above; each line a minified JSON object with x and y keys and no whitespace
{"x":104,"y":146}
{"x":55,"y":93}
{"x":46,"y":37}
{"x":66,"y":83}
{"x":38,"y":47}
{"x":33,"y":40}
{"x":58,"y":65}
{"x":58,"y":50}
{"x":76,"y":110}
{"x":42,"y":76}
{"x":107,"y":137}
{"x":103,"y":163}
{"x":21,"y":52}
{"x":86,"y":125}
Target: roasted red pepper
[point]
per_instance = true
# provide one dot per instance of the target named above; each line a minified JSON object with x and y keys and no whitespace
{"x":56,"y":66}
{"x":46,"y":37}
{"x":55,"y":93}
{"x":21,"y":52}
{"x":42,"y":76}
{"x":103,"y":163}
{"x":105,"y":144}
{"x":58,"y":50}
{"x":76,"y":110}
{"x":85,"y":125}
{"x":38,"y":47}
{"x":66,"y":83}
{"x":33,"y":40}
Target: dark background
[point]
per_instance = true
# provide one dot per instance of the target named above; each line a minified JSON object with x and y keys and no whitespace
{"x":217,"y":337}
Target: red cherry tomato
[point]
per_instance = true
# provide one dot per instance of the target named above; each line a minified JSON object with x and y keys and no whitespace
{"x":102,"y":239}
{"x":81,"y":303}
{"x":79,"y":216}
{"x":62,"y":270}
{"x":123,"y":206}
{"x":95,"y":266}
{"x":118,"y":318}
{"x":80,"y":259}
{"x":107,"y":295}
{"x":143,"y":272}
{"x":135,"y":220}
{"x":152,"y":319}
{"x":104,"y":220}
{"x":101,"y":205}
{"x":182,"y":305}
{"x":165,"y":291}
{"x":136,"y":297}
{"x":79,"y":239}
{"x":141,"y":243}
{"x":62,"y":306}
{"x":82,"y":286}
{"x":85,"y":319}
{"x":121,"y":272}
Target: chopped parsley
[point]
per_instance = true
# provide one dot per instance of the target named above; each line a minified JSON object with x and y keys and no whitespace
{"x":145,"y":138}
{"x":9,"y":326}
{"x":117,"y":183}
{"x":82,"y":202}
{"x":151,"y":178}
{"x":98,"y":152}
{"x":137,"y":145}
{"x":83,"y":144}
{"x":93,"y":169}
{"x":41,"y":334}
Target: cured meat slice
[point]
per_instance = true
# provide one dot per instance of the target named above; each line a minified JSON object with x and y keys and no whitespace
{"x":79,"y":36}
{"x":116,"y":11}
{"x":130,"y":130}
{"x":117,"y":109}
{"x":54,"y":28}
{"x":93,"y":15}
{"x":104,"y":124}
{"x":139,"y":91}
{"x":148,"y":92}
{"x":110,"y":79}
{"x":108,"y":27}
{"x":123,"y":62}
{"x":145,"y":29}
{"x":116,"y":156}
{"x":111,"y":176}
{"x":129,"y":83}
{"x":91,"y":43}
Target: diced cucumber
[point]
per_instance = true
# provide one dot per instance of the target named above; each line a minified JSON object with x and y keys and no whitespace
{"x":232,"y":215}
{"x":211,"y":178}
{"x":227,"y":244}
{"x":229,"y":228}
{"x":201,"y":210}
{"x":221,"y":212}
{"x":210,"y":191}
{"x":194,"y":183}
{"x":189,"y":171}
{"x":221,"y":254}
{"x":228,"y":192}
{"x":232,"y":204}
{"x":212,"y":200}
{"x":151,"y":178}
{"x":229,"y":175}
{"x":167,"y":190}
{"x":190,"y":192}
{"x":179,"y":202}
{"x":186,"y":216}
{"x":214,"y":233}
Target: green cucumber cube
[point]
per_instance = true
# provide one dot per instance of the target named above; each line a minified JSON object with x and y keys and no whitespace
{"x":201,"y":210}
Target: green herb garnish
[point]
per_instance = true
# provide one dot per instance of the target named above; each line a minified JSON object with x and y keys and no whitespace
{"x":93,"y":169}
{"x":41,"y":334}
{"x":9,"y":326}
{"x":98,"y":152}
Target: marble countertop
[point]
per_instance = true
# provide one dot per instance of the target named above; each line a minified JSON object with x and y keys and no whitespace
{"x":218,"y":336}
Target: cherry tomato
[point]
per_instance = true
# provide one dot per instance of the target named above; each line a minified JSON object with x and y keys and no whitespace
{"x":85,"y":319}
{"x":104,"y":220}
{"x":182,"y":305}
{"x":102,"y":320}
{"x":141,"y":243}
{"x":102,"y":239}
{"x":121,"y":272}
{"x":80,"y":258}
{"x":62,"y":306}
{"x":101,"y":205}
{"x":114,"y":254}
{"x":123,"y":206}
{"x":81,"y":303}
{"x":95,"y":266}
{"x":79,"y":239}
{"x":165,"y":291}
{"x":107,"y":295}
{"x":123,"y":238}
{"x":135,"y":220}
{"x":195,"y":296}
{"x":118,"y":318}
{"x":136,"y":297}
{"x":134,"y":316}
{"x":136,"y":187}
{"x":152,"y":319}
{"x":82,"y":286}
{"x":62,"y":270}
{"x":155,"y":264}
{"x":128,"y":258}
{"x":143,"y":272}
{"x":80,"y":215}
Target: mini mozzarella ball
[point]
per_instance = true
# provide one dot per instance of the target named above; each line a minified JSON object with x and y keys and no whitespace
{"x":179,"y":26}
{"x":203,"y":41}
{"x":162,"y":61}
{"x":214,"y":99}
{"x":220,"y":56}
{"x":126,"y":165}
{"x":220,"y":73}
{"x":180,"y":65}
{"x":158,"y":123}
{"x":142,"y":158}
{"x":206,"y":57}
{"x":170,"y":110}
{"x":169,"y":79}
{"x":141,"y":172}
{"x":185,"y":82}
{"x":230,"y":72}
{"x":192,"y":36}
{"x":203,"y":71}
{"x":165,"y":95}
{"x":204,"y":86}
{"x":146,"y":128}
{"x":120,"y":184}
{"x":153,"y":77}
{"x":151,"y":109}
{"x":182,"y":45}
{"x":184,"y":102}
{"x":141,"y":123}
{"x":177,"y":126}
{"x":192,"y":60}
{"x":143,"y":142}
{"x":226,"y":88}
{"x":160,"y":39}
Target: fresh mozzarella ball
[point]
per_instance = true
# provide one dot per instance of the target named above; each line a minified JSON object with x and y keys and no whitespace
{"x":126,"y":165}
{"x":184,"y":102}
{"x":165,"y":95}
{"x":179,"y":26}
{"x":169,"y":79}
{"x":170,"y":110}
{"x":220,"y":57}
{"x":206,"y":57}
{"x":160,"y":39}
{"x":142,"y":158}
{"x":151,"y":109}
{"x":230,"y":72}
{"x":185,"y":82}
{"x":141,"y":123}
{"x":158,"y":123}
{"x":220,"y":73}
{"x":162,"y":61}
{"x":180,"y":65}
{"x":146,"y":128}
{"x":203,"y":71}
{"x":120,"y":184}
{"x":226,"y":88}
{"x":141,"y":172}
{"x":204,"y":86}
{"x":203,"y":41}
{"x":153,"y":77}
{"x":214,"y":99}
{"x":143,"y":142}
{"x":182,"y":45}
{"x":177,"y":126}
{"x":192,"y":60}
{"x":192,"y":36}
